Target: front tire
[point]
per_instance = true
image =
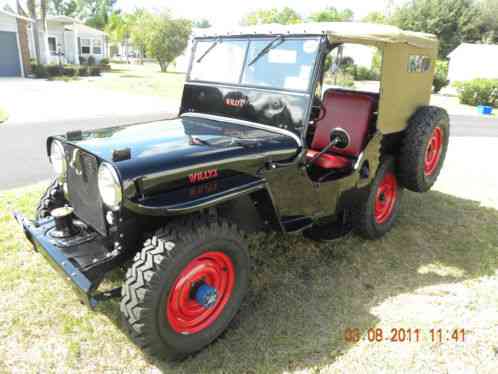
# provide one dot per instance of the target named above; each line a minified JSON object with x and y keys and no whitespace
{"x":377,"y":213}
{"x":185,"y":286}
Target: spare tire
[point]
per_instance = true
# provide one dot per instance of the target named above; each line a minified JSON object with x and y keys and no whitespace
{"x":423,"y":148}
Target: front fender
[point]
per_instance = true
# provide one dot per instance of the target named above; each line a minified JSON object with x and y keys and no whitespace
{"x":196,"y":197}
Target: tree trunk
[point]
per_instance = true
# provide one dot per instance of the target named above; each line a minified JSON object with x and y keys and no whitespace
{"x":36,"y":35}
{"x":43,"y":17}
{"x":163,"y":65}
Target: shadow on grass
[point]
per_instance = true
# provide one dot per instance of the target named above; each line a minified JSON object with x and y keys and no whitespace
{"x":303,"y":294}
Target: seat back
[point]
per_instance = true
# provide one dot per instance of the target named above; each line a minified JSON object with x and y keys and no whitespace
{"x":350,"y":111}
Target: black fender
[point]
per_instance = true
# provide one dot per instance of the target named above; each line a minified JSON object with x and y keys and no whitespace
{"x":216,"y":193}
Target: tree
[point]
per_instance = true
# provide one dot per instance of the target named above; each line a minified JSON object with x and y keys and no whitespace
{"x":139,"y":21}
{"x":375,"y":17}
{"x":285,"y":16}
{"x":201,"y":24}
{"x":453,"y":21}
{"x":167,"y":38}
{"x":33,"y":13}
{"x":489,"y":21}
{"x":96,"y":13}
{"x":64,"y":7}
{"x":331,"y":14}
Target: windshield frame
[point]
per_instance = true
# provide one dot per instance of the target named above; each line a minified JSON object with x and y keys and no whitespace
{"x":249,"y":39}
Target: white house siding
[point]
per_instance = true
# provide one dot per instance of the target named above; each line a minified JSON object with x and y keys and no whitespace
{"x":470,"y":61}
{"x":55,"y":29}
{"x":8,"y":23}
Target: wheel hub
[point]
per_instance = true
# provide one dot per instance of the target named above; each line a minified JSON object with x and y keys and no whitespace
{"x":200,"y":292}
{"x":385,"y":198}
{"x":433,"y":151}
{"x":206,"y":295}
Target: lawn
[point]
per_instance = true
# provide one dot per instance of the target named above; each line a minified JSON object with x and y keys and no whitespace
{"x":137,"y":79}
{"x":3,"y":115}
{"x":438,"y":268}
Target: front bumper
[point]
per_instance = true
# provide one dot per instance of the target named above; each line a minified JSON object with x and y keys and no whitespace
{"x":82,"y":260}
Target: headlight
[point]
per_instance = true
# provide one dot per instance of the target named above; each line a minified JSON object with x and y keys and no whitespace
{"x":57,"y":158}
{"x":109,"y":186}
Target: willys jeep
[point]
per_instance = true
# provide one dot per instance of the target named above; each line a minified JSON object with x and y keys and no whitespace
{"x":259,"y":144}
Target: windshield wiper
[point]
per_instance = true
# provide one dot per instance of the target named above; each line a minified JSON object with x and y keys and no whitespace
{"x":272,"y":44}
{"x":210,"y":48}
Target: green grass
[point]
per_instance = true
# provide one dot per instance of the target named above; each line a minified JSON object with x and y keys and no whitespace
{"x":3,"y":115}
{"x":144,"y":80}
{"x":436,"y":269}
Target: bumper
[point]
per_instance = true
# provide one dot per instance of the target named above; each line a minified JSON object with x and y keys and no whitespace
{"x":66,"y":258}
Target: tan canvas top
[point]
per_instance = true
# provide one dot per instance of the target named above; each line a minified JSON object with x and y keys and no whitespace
{"x":367,"y":33}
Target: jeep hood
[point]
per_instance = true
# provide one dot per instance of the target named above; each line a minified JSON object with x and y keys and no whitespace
{"x":164,"y":153}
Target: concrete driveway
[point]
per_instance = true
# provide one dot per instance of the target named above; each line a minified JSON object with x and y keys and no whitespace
{"x":40,"y":101}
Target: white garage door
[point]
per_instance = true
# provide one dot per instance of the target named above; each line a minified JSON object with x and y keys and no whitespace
{"x":10,"y":65}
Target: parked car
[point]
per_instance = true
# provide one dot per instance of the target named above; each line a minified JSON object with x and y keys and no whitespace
{"x":256,"y":146}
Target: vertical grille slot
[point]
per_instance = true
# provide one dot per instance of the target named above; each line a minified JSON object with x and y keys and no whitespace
{"x":83,"y":190}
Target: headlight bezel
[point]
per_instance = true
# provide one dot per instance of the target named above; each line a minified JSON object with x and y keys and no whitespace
{"x":57,"y":157}
{"x":109,"y":185}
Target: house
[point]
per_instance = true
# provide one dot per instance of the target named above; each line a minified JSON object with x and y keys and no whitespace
{"x":14,"y":46}
{"x":68,"y":39}
{"x":469,"y":61}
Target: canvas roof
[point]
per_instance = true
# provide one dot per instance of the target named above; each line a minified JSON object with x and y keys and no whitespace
{"x":367,"y":33}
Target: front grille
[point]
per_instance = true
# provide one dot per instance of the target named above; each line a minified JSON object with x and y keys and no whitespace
{"x":83,"y":189}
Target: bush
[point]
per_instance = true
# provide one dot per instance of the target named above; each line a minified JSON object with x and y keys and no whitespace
{"x":104,"y":61}
{"x":91,"y":61}
{"x":95,"y":71}
{"x":83,"y":60}
{"x":39,"y":71}
{"x":440,"y":79}
{"x":83,"y":71}
{"x":69,"y":71}
{"x":361,"y":73}
{"x":478,"y":92}
{"x":54,"y":70}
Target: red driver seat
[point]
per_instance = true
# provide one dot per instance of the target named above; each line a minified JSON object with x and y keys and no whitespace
{"x":349,"y":111}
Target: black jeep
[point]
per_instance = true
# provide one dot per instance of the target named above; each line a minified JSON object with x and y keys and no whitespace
{"x":258,"y":145}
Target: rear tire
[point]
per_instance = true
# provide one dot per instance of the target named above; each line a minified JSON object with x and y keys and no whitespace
{"x":160,"y":298}
{"x":51,"y":199}
{"x":377,"y":213}
{"x":423,"y":149}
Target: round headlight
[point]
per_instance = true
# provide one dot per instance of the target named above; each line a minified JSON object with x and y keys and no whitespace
{"x":109,"y":186}
{"x":57,"y":158}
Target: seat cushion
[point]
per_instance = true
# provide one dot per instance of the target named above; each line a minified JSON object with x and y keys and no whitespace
{"x":328,"y":161}
{"x":350,"y":111}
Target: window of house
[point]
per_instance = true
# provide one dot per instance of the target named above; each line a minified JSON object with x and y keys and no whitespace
{"x":52,"y":45}
{"x":97,"y":47}
{"x":85,"y":46}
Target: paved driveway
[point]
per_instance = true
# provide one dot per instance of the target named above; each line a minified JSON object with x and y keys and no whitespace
{"x":38,"y":100}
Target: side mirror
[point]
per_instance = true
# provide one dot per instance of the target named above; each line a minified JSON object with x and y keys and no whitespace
{"x":339,"y":138}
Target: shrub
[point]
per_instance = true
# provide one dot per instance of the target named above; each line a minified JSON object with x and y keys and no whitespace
{"x":91,"y":61}
{"x":104,"y":61}
{"x":83,"y":71}
{"x":478,"y":92}
{"x":361,"y":73}
{"x":440,"y":79}
{"x":39,"y":71}
{"x":83,"y":60}
{"x":69,"y":71}
{"x":54,"y":70}
{"x":95,"y":71}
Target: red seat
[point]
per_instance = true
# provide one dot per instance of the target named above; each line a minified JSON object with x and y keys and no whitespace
{"x":349,"y":111}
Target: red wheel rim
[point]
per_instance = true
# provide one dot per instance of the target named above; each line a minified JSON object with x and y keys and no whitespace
{"x":184,"y":313}
{"x":433,"y":151}
{"x":385,"y":199}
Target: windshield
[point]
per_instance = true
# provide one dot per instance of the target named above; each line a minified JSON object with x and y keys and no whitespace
{"x":285,"y":64}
